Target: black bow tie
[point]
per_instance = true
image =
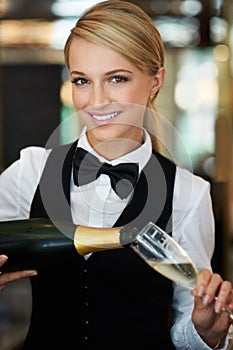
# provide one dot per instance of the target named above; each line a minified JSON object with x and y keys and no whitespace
{"x":87,"y":168}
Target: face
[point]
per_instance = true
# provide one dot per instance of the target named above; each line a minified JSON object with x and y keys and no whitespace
{"x":109,"y":92}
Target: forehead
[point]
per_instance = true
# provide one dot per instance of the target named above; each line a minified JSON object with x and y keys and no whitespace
{"x":86,"y":54}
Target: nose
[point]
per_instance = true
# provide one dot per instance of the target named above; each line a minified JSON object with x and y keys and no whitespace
{"x":99,"y":95}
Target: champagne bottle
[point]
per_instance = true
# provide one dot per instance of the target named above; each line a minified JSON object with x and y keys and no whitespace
{"x":35,"y":243}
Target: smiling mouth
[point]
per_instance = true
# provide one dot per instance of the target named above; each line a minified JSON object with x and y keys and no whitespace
{"x":104,"y":117}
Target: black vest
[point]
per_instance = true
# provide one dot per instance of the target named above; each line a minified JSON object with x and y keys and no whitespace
{"x":113,"y":300}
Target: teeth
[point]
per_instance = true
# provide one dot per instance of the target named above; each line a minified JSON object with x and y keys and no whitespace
{"x":104,"y":117}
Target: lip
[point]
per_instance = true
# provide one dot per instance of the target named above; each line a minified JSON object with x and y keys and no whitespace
{"x":103,"y":118}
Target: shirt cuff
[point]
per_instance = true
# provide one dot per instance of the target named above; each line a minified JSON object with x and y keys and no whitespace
{"x":198,"y":343}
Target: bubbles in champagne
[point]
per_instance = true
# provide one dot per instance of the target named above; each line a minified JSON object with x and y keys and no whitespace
{"x":181,"y":273}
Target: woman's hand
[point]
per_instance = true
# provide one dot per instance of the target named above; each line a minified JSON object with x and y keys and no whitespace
{"x":209,"y":318}
{"x":8,"y":277}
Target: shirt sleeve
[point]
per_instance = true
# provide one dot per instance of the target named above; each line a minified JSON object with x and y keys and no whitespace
{"x":18,"y":183}
{"x":193,"y":223}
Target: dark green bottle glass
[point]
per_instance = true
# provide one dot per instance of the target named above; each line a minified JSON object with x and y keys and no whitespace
{"x":35,"y":243}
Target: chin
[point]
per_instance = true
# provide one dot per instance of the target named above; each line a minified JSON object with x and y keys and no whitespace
{"x":105,"y":133}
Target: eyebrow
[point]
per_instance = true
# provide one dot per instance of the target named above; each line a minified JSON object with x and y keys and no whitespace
{"x":108,"y":73}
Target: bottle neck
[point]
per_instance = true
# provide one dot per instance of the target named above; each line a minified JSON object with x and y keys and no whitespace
{"x":92,"y":239}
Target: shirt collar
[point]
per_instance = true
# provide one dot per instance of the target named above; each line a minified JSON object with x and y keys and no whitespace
{"x":141,"y":155}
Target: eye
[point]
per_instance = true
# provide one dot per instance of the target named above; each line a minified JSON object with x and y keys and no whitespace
{"x":119,"y":79}
{"x":79,"y":81}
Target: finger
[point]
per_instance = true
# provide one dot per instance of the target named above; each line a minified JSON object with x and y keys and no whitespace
{"x":230,"y":300}
{"x":8,"y":277}
{"x":203,"y":279}
{"x":224,"y":296}
{"x":211,"y":291}
{"x":3,"y":259}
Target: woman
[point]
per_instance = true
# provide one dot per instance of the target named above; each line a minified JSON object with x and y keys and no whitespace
{"x":112,"y":299}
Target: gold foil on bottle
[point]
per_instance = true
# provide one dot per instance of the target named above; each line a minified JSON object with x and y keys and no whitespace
{"x":92,"y":239}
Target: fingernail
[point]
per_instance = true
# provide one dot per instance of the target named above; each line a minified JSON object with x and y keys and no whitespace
{"x":200,"y":291}
{"x":218,"y":307}
{"x":3,"y":259}
{"x":206,"y":300}
{"x":32,"y":272}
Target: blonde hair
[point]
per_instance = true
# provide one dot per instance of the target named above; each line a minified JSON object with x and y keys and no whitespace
{"x":127,"y":29}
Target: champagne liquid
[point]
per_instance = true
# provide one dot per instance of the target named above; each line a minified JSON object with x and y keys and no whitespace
{"x":181,"y":273}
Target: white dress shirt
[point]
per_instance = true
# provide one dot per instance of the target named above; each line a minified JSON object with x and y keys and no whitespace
{"x":97,"y":205}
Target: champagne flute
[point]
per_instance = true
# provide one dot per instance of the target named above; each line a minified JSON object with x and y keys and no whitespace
{"x":165,"y":255}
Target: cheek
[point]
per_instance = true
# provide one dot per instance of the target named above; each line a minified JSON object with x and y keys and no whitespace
{"x":138,"y":95}
{"x":74,"y":97}
{"x":78,"y":100}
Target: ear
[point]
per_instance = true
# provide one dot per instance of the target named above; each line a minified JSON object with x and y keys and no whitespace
{"x":158,"y":81}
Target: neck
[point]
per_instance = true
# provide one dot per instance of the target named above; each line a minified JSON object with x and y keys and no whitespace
{"x":115,"y":148}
